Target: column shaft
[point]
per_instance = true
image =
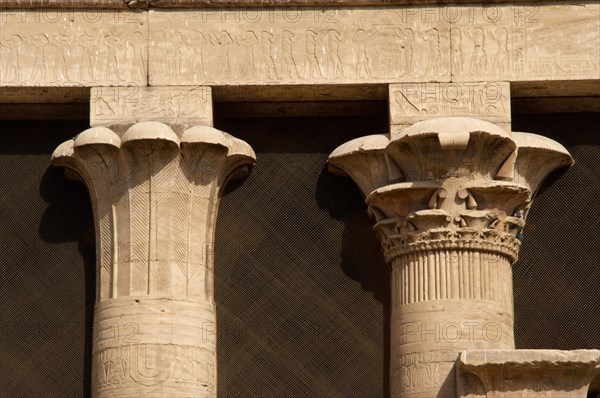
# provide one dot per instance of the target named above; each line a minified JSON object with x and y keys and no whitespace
{"x":155,"y":192}
{"x":449,"y":197}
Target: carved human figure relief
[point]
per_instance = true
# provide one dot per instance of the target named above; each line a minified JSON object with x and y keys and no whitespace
{"x":289,"y":68}
{"x":434,"y":57}
{"x":187,"y":55}
{"x":248,"y":42}
{"x":501,"y":57}
{"x":361,"y":38}
{"x":478,"y":63}
{"x":334,"y":63}
{"x":457,"y":52}
{"x":86,"y":72}
{"x":519,"y":50}
{"x":407,"y":39}
{"x":266,"y":54}
{"x":311,"y":43}
{"x":223,"y":42}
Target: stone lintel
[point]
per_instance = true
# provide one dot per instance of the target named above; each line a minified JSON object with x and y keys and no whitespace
{"x":301,"y":45}
{"x":414,"y":102}
{"x":174,"y":105}
{"x":527,"y":358}
{"x":524,"y":373}
{"x":67,"y":47}
{"x":145,"y":4}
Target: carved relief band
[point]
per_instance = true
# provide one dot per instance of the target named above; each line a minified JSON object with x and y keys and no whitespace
{"x":179,"y":105}
{"x":500,"y":42}
{"x":449,"y":197}
{"x":65,"y":47}
{"x":299,"y":45}
{"x":155,"y":191}
{"x":414,"y":102}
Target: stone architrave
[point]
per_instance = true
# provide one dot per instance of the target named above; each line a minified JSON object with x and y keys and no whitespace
{"x":413,"y":102}
{"x":341,"y":45}
{"x":67,"y":47}
{"x":258,"y":46}
{"x":449,"y":197}
{"x":526,"y":42}
{"x":182,"y":105}
{"x":155,"y":192}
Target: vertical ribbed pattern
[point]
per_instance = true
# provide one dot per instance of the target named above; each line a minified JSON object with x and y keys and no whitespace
{"x":139,"y":167}
{"x":164,"y":165}
{"x":451,"y":274}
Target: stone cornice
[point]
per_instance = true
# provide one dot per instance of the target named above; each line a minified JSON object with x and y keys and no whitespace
{"x":202,"y":4}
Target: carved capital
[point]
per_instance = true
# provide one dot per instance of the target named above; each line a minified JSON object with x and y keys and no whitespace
{"x":155,"y":192}
{"x":449,"y":197}
{"x":451,"y":179}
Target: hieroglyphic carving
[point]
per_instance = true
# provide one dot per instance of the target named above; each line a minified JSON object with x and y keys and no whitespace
{"x":526,"y":42}
{"x":412,"y":102}
{"x":397,"y":44}
{"x":415,"y":372}
{"x":348,"y":46}
{"x":72,"y":48}
{"x":131,"y":364}
{"x":179,"y":105}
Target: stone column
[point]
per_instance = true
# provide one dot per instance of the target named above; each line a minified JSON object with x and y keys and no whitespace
{"x":155,"y":191}
{"x":449,"y":197}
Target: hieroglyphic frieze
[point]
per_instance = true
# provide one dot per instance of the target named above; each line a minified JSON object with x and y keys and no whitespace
{"x":73,"y":48}
{"x":396,"y":44}
{"x":413,"y":102}
{"x":177,"y":105}
{"x":502,"y":42}
{"x":526,"y":42}
{"x":300,"y":46}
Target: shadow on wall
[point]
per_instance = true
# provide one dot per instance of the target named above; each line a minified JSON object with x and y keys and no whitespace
{"x":361,"y":256}
{"x":69,"y":218}
{"x":300,"y":283}
{"x":46,"y":266}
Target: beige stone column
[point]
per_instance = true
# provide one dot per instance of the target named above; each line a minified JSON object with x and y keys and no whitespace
{"x":155,"y":191}
{"x":449,"y":197}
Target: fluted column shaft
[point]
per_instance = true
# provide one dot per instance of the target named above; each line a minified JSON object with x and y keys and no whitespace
{"x":154,"y":191}
{"x":451,"y":289}
{"x":449,"y":197}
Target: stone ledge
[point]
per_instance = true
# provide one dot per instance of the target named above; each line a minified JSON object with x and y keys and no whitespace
{"x":198,"y":4}
{"x":528,"y":373}
{"x":490,"y":358}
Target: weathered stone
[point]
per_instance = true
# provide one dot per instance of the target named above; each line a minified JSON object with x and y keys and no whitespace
{"x":414,"y":102}
{"x":73,"y":48}
{"x":527,"y":373}
{"x":520,"y":43}
{"x":300,"y":46}
{"x":119,"y":4}
{"x":449,"y":197}
{"x":154,"y":194}
{"x":176,"y":105}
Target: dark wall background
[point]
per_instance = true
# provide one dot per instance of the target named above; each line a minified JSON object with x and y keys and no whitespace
{"x":47,"y":262}
{"x":300,"y":283}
